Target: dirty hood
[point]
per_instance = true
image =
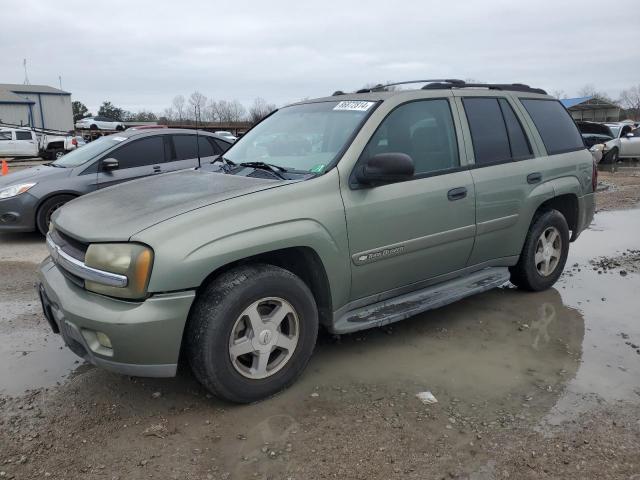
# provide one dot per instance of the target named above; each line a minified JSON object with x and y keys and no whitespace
{"x":34,"y":174}
{"x":116,"y":213}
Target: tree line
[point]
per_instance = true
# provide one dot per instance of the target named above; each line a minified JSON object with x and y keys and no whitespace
{"x":197,"y":107}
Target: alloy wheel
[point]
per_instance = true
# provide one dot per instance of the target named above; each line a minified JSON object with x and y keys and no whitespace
{"x":548,"y":251}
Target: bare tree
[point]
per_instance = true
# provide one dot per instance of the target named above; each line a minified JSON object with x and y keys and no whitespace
{"x":230,"y":111}
{"x":630,"y":100}
{"x":210,"y":113}
{"x":589,"y":90}
{"x":197,"y":102}
{"x":260,"y":109}
{"x":559,"y":94}
{"x":178,"y":106}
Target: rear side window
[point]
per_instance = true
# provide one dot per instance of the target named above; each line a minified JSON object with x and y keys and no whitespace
{"x":185,"y":147}
{"x":22,"y":135}
{"x":139,"y":153}
{"x":424,"y":130}
{"x":557,"y":129}
{"x":488,"y":130}
{"x":496,"y":132}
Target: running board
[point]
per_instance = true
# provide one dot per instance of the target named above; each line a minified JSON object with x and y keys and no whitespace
{"x":409,"y":304}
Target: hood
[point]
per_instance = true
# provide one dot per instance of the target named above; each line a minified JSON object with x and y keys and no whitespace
{"x":116,"y":213}
{"x":594,"y":128}
{"x":34,"y":174}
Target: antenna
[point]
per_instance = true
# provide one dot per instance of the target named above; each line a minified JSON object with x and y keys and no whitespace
{"x":26,"y":77}
{"x":60,"y":81}
{"x":196,"y":109}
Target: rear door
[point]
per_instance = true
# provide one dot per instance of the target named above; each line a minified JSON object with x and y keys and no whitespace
{"x":137,"y":158}
{"x":183,"y":151}
{"x":25,"y":143}
{"x":505,"y":173}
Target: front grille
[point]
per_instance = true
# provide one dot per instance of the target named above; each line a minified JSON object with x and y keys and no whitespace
{"x":69,"y":245}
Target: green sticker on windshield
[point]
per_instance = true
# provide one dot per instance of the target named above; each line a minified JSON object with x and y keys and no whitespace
{"x":318,"y":168}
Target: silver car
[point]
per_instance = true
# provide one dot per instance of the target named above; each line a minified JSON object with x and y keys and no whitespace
{"x":29,"y":197}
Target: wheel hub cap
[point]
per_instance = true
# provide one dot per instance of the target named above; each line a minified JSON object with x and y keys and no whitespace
{"x":264,"y":338}
{"x":548,"y":251}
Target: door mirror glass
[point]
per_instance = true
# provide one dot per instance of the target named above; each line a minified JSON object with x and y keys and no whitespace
{"x":109,"y":164}
{"x":385,"y":168}
{"x":629,"y":135}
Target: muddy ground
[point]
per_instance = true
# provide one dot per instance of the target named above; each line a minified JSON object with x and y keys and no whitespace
{"x":543,"y":385}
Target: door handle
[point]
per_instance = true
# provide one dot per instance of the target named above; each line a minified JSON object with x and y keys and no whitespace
{"x":535,"y":177}
{"x":457,"y":193}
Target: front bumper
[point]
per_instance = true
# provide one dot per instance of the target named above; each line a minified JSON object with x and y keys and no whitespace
{"x":18,"y":214}
{"x":145,"y":336}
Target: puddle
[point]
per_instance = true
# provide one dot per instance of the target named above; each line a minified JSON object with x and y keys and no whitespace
{"x":32,"y":359}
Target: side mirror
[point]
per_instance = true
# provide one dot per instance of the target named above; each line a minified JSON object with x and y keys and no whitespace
{"x":385,"y":168}
{"x":109,"y":164}
{"x":629,"y":135}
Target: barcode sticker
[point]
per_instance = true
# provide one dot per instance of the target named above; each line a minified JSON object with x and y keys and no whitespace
{"x":354,"y":105}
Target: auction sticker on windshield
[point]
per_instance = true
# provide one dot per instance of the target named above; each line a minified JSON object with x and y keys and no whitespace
{"x":354,"y":105}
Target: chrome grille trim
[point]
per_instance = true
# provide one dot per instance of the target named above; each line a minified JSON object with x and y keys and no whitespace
{"x":79,"y":269}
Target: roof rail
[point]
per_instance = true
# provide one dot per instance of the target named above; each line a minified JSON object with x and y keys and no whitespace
{"x":381,"y":88}
{"x":513,"y":87}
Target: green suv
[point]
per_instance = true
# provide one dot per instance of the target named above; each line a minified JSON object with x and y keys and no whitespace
{"x":347,"y":212}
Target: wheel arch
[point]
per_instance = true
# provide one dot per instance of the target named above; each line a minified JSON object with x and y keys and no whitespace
{"x":49,"y":196}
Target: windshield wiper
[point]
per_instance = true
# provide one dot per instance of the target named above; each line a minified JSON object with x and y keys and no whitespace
{"x":226,"y":163}
{"x":275,"y":169}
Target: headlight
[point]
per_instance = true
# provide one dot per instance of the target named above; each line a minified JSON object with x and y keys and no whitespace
{"x":15,"y":190}
{"x":130,"y":259}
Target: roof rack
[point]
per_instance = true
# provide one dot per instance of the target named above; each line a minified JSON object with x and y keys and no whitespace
{"x":513,"y":87}
{"x":435,"y":84}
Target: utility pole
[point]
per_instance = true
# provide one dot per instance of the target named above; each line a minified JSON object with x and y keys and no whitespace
{"x":26,"y":77}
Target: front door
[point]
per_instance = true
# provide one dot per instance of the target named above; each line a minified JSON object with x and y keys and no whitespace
{"x":136,"y":159}
{"x":404,"y":233}
{"x":630,"y":142}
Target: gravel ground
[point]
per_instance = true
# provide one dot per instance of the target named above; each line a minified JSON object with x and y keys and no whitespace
{"x":543,"y":385}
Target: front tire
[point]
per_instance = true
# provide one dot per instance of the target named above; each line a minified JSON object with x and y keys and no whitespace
{"x":611,"y":157}
{"x":544,"y":253}
{"x":251,"y":332}
{"x":43,"y":217}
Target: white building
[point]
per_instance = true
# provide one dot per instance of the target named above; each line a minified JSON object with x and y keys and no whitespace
{"x":37,"y":106}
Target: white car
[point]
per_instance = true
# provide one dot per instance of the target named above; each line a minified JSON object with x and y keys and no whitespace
{"x":99,"y":123}
{"x":22,"y":142}
{"x":226,"y":135}
{"x":625,"y":143}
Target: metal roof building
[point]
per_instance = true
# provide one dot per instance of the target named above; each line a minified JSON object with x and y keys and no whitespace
{"x":37,"y":106}
{"x":592,"y":109}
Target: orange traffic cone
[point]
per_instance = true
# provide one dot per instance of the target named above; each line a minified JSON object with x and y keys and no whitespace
{"x":5,"y":167}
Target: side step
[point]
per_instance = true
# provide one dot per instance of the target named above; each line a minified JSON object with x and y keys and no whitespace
{"x":410,"y":304}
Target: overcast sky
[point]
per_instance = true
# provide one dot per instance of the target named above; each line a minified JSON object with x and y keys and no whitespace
{"x":139,"y":55}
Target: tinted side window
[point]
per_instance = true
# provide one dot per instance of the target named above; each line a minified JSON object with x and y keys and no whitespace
{"x":185,"y":147}
{"x":488,"y":130}
{"x":206,"y":147}
{"x":557,"y":129}
{"x":520,"y":147}
{"x":146,"y":151}
{"x":424,"y":130}
{"x":22,"y":135}
{"x":222,"y":145}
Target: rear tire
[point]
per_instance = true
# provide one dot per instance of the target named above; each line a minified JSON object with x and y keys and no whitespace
{"x":45,"y":211}
{"x":266,"y":311}
{"x":93,"y":127}
{"x":544,"y":253}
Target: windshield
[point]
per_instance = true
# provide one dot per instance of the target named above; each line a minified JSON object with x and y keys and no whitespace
{"x":87,"y":152}
{"x":304,"y":137}
{"x":615,"y":130}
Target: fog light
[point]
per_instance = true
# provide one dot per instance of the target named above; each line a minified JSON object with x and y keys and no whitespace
{"x":103,"y":340}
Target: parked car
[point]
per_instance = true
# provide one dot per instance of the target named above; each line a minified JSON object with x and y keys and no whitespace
{"x":29,"y":197}
{"x":625,"y":143}
{"x":226,"y":135}
{"x":100,"y":123}
{"x":414,"y":199}
{"x":24,"y":142}
{"x":595,"y":136}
